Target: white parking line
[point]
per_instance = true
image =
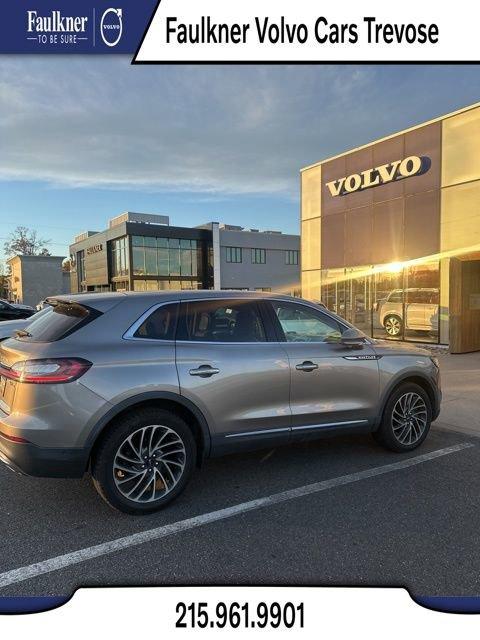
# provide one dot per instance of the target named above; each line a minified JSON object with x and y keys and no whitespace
{"x":68,"y":559}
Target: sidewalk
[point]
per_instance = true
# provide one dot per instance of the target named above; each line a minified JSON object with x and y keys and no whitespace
{"x":461,"y":392}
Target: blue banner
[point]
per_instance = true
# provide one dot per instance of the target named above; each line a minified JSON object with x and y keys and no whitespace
{"x":63,"y":26}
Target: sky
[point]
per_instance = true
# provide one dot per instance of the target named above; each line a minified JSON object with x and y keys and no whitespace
{"x":83,"y":139}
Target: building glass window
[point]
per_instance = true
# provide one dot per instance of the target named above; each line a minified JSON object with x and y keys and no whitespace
{"x":394,"y":302}
{"x":81,"y":274}
{"x":291,"y":257}
{"x":138,"y":261}
{"x":233,"y":254}
{"x":163,"y":260}
{"x":119,"y":259}
{"x":196,"y":257}
{"x":120,"y":286}
{"x":139,"y":285}
{"x":151,"y":268}
{"x":406,"y":305}
{"x":174,"y":260}
{"x":259,"y":256}
{"x":185,"y":258}
{"x":165,"y":257}
{"x":152,"y":284}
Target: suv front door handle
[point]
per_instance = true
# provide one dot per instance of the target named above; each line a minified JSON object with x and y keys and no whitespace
{"x":306,"y":366}
{"x":204,"y":371}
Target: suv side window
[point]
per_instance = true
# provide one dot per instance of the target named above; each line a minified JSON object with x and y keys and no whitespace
{"x":221,"y":321}
{"x":418,"y":296}
{"x":396,"y":296}
{"x":300,"y":323}
{"x":160,"y":324}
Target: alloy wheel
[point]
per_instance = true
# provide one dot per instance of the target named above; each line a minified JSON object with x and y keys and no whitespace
{"x":149,"y":463}
{"x":393,"y":326}
{"x":409,"y":418}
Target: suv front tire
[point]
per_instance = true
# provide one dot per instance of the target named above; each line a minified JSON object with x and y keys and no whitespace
{"x":393,"y":325}
{"x":406,"y":419}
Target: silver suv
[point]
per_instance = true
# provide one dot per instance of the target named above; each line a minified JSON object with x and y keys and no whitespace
{"x":421,"y":311}
{"x":138,"y":388}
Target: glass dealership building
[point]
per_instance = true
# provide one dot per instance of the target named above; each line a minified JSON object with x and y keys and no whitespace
{"x":390,"y":233}
{"x":143,"y":252}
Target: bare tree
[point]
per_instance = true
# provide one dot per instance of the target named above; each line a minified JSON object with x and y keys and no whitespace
{"x":25,"y":242}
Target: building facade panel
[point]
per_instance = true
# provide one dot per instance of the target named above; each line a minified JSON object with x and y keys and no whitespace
{"x":421,"y":225}
{"x":461,"y":148}
{"x":425,"y":142}
{"x":387,"y":240}
{"x":34,"y":278}
{"x":266,"y":260}
{"x":311,"y":238}
{"x":311,"y":189}
{"x":358,"y":237}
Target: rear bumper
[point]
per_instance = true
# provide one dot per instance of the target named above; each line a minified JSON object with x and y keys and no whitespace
{"x":30,"y":460}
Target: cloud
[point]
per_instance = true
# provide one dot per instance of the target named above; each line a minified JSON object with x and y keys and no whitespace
{"x":203,"y":129}
{"x":78,"y":122}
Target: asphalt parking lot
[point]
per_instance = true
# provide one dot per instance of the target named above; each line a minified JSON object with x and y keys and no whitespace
{"x":415,"y":526}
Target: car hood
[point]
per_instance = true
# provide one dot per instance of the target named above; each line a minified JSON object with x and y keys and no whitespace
{"x":392,"y":348}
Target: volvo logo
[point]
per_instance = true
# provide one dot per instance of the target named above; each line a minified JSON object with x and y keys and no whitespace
{"x":411,"y":166}
{"x":111,"y":26}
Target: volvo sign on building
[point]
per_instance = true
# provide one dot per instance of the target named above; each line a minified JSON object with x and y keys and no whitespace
{"x":382,"y":174}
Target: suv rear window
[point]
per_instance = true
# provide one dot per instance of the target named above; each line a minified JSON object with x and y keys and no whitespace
{"x":61,"y":319}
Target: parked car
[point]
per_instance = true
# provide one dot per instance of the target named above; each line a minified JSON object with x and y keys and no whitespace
{"x":8,"y":328}
{"x":138,"y":388}
{"x":10,"y":311}
{"x":421,"y":311}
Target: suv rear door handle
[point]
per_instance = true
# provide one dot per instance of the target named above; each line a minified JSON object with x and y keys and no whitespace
{"x":306,"y":366}
{"x":204,"y":371}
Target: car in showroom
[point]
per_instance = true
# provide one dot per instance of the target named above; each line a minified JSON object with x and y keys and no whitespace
{"x":419,"y":311}
{"x":138,"y":388}
{"x":12,"y":311}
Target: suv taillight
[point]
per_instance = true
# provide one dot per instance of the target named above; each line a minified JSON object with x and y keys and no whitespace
{"x":46,"y":371}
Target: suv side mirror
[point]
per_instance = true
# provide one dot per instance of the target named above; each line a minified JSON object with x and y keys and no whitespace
{"x":353,"y":338}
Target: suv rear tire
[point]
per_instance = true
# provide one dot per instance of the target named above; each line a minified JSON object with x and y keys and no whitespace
{"x":406,"y":419}
{"x":145,"y":461}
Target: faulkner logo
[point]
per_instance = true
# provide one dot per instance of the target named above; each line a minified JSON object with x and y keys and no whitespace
{"x":56,"y":28}
{"x":111,"y":26}
{"x":94,"y":249}
{"x":411,"y":166}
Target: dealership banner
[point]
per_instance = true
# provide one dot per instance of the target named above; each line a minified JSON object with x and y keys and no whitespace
{"x":247,"y":31}
{"x":66,"y":26}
